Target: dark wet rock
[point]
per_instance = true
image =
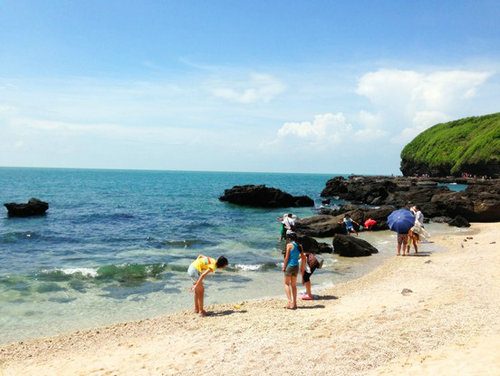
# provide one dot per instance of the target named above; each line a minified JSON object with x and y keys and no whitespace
{"x":479,"y":202}
{"x":320,"y":226}
{"x":262,"y":196}
{"x":311,"y":245}
{"x":442,"y":219}
{"x":33,"y":207}
{"x":352,"y":246}
{"x":459,"y":221}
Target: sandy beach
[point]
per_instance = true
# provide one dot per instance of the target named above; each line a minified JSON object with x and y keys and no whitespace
{"x":436,"y":314}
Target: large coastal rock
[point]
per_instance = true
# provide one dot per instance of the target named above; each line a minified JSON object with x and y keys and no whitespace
{"x":480,"y":202}
{"x":352,"y":246}
{"x":320,"y":226}
{"x":262,"y":196}
{"x":470,"y":145}
{"x":311,"y":245}
{"x":32,"y":208}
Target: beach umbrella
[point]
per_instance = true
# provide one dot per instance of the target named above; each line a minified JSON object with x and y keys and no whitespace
{"x":401,"y":221}
{"x":370,"y":222}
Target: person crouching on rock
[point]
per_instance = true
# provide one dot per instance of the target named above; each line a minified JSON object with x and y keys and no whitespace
{"x":293,"y":253}
{"x":349,"y":227}
{"x":198,"y":270}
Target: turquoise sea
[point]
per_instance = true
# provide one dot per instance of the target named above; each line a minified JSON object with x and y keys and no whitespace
{"x":115,"y":245}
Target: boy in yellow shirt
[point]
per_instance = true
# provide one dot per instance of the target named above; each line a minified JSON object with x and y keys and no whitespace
{"x":198,"y":270}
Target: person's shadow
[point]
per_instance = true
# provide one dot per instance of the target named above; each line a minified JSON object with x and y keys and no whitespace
{"x":226,"y":312}
{"x":325,"y":297}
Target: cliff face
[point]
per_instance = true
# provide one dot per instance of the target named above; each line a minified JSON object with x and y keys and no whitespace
{"x":470,"y":145}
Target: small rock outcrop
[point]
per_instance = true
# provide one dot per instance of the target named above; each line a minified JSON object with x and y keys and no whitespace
{"x":264,"y":197}
{"x":351,"y":246}
{"x":32,"y":208}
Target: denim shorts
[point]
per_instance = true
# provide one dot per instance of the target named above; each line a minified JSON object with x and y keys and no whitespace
{"x":194,"y":274}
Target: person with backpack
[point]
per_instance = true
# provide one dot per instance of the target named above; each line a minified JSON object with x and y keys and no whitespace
{"x":312,"y":263}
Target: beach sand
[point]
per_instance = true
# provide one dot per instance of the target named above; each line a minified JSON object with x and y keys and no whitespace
{"x":448,"y":324}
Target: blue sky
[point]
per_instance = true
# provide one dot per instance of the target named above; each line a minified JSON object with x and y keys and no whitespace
{"x":279,"y":86}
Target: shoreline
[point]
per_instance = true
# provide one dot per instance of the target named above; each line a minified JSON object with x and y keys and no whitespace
{"x":359,"y":326}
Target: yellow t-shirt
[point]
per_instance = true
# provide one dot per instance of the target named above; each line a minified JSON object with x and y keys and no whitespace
{"x":203,"y":263}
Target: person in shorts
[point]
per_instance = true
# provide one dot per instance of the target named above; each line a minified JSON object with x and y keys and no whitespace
{"x":291,"y":265}
{"x":197,"y":271}
{"x":312,"y":264}
{"x":402,"y":242}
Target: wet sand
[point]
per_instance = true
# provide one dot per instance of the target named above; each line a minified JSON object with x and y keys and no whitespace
{"x":436,"y":314}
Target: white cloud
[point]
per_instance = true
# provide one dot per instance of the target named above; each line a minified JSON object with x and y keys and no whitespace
{"x":260,"y":88}
{"x":414,"y":101}
{"x":325,"y":128}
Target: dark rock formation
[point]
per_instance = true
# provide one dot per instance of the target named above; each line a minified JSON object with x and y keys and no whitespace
{"x":313,"y":246}
{"x":352,"y":246}
{"x":262,"y":196}
{"x":320,"y":226}
{"x":479,"y":202}
{"x":32,"y":208}
{"x":459,"y":221}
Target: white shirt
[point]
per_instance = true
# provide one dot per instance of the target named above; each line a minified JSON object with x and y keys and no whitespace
{"x":289,"y":222}
{"x":419,"y":217}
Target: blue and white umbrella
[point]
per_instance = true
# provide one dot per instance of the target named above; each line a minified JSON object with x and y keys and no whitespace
{"x":401,"y":221}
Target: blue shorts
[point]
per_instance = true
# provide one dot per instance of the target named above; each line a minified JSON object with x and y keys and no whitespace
{"x":349,"y":229}
{"x":194,"y":274}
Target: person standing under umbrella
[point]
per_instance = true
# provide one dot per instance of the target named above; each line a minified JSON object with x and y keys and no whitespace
{"x":401,"y":221}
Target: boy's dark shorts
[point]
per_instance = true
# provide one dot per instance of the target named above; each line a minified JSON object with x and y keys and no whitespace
{"x":307,"y":276}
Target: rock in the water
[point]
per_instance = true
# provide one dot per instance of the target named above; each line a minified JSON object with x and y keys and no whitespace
{"x":313,"y":246}
{"x":33,"y":207}
{"x":351,"y":246}
{"x":320,"y":226}
{"x":262,"y":196}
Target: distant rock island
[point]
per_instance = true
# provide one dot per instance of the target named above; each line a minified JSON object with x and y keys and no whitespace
{"x":467,"y":146}
{"x":265,"y":197}
{"x":32,"y":208}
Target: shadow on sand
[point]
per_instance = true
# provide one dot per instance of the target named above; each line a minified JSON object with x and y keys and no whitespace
{"x":227,"y":312}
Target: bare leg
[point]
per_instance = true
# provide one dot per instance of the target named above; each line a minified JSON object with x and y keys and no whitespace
{"x":294,"y":291}
{"x":399,"y":249}
{"x":200,"y":292}
{"x":196,"y":307}
{"x":308,"y":289}
{"x":287,"y":291}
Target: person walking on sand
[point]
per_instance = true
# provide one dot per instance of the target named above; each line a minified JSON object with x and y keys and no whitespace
{"x":198,"y":270}
{"x":291,"y":264}
{"x":348,"y":222}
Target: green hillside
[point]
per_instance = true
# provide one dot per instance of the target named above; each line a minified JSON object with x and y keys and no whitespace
{"x":469,"y":145}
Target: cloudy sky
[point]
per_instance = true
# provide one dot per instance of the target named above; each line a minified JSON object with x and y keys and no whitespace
{"x":278,"y":86}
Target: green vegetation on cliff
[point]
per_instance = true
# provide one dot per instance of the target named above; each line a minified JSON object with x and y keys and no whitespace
{"x":457,"y":145}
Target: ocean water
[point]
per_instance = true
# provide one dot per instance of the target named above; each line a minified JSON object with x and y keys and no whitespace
{"x":115,"y":245}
